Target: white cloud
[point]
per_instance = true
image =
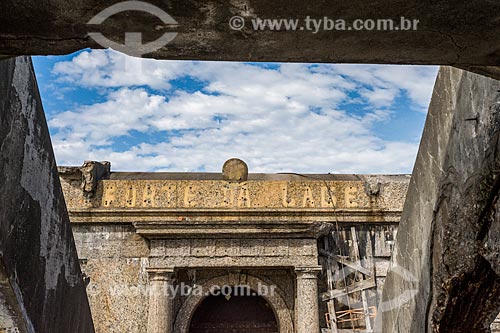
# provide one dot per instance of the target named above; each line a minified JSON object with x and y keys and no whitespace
{"x":388,"y":80}
{"x":288,"y":117}
{"x":101,"y":68}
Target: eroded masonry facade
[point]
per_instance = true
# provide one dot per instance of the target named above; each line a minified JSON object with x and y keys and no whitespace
{"x":153,"y":244}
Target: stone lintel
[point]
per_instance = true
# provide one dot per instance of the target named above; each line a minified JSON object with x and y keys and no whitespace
{"x":234,"y":252}
{"x":233,"y":230}
{"x":171,"y":217}
{"x":236,"y":262}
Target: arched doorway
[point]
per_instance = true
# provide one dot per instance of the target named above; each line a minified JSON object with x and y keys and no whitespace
{"x":191,"y":304}
{"x":231,"y":314}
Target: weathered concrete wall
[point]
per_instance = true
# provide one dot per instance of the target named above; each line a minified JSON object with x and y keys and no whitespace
{"x":447,"y":241}
{"x":204,"y":32}
{"x":42,"y":289}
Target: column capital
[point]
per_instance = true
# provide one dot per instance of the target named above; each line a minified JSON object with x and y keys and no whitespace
{"x":307,"y":272}
{"x":160,"y":273}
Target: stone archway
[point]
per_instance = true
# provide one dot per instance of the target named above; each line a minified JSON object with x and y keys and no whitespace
{"x":277,"y":303}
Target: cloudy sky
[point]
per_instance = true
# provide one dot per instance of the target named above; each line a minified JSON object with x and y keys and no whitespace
{"x":148,"y":115}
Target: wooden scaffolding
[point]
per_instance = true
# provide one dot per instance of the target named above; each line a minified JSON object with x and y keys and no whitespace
{"x":346,"y":276}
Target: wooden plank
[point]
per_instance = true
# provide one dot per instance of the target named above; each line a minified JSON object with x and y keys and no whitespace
{"x":347,"y":263}
{"x":358,"y":286}
{"x":366,"y":311}
{"x":332,"y":317}
{"x":355,"y":247}
{"x":372,"y":314}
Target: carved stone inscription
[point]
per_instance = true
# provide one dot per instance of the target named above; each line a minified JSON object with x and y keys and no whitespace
{"x":221,"y":194}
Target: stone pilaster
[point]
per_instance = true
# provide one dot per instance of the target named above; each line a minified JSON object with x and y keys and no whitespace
{"x":306,"y":305}
{"x":160,"y":316}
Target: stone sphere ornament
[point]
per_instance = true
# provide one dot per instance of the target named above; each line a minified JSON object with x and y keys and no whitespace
{"x":235,"y":170}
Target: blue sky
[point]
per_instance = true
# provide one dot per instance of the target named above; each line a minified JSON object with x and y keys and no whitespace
{"x":150,"y":115}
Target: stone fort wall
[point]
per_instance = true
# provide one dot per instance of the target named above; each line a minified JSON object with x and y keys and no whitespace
{"x":205,"y":227}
